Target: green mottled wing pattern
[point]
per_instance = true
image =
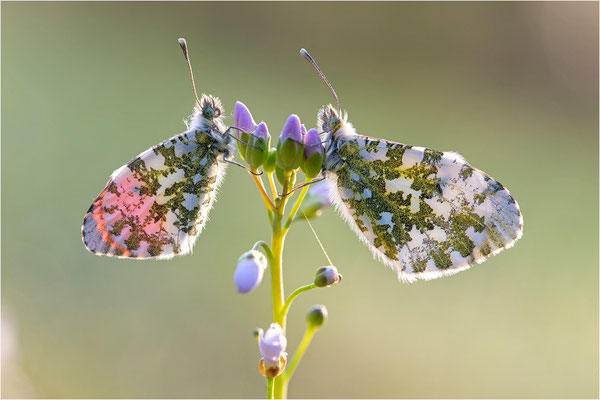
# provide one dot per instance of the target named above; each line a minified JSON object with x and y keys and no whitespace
{"x":156,"y":205}
{"x":425,"y":213}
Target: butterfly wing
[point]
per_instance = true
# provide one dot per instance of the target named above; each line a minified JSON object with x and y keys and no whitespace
{"x":423,"y":212}
{"x":156,"y":205}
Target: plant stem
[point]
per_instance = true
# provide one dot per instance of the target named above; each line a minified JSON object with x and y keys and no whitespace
{"x":272,"y":184}
{"x":290,"y":299}
{"x":296,"y":207}
{"x":276,"y":270}
{"x":270,"y":391}
{"x":289,"y":180}
{"x":308,"y":335}
{"x":265,"y":247}
{"x":283,"y":379}
{"x":277,"y":387}
{"x":268,"y":203}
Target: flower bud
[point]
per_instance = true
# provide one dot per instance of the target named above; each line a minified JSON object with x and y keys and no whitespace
{"x":242,"y":119}
{"x":249,"y":271}
{"x":302,"y":130}
{"x":269,"y":164}
{"x":314,"y":153}
{"x":280,"y":175}
{"x":272,"y":346}
{"x":256,"y":156}
{"x":273,"y":370}
{"x":290,"y":147}
{"x":317,"y":198}
{"x":327,"y":276}
{"x":316,"y":316}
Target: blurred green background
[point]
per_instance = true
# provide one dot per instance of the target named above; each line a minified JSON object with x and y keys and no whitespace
{"x":511,"y":86}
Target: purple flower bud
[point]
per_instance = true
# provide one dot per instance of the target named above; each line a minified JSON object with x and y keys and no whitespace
{"x":327,"y":276}
{"x":312,"y":143}
{"x":317,"y":198}
{"x":262,"y":131}
{"x":292,"y":129}
{"x":249,"y":271}
{"x":290,"y":149}
{"x":242,"y":118}
{"x":303,"y":129}
{"x":272,"y":344}
{"x":321,"y":192}
{"x":258,"y":149}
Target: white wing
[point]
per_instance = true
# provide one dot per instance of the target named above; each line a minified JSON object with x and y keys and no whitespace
{"x":156,"y":205}
{"x":423,"y":212}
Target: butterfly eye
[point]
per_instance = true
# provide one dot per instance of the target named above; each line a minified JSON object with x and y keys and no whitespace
{"x":210,"y":113}
{"x":334,"y":123}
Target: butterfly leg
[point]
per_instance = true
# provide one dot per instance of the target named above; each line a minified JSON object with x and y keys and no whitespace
{"x":237,"y":139}
{"x":242,"y":166}
{"x":300,"y":186}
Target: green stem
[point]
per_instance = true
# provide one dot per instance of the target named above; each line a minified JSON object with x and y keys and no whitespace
{"x":270,"y":391}
{"x":268,"y":202}
{"x":266,"y":248}
{"x":272,"y":184}
{"x":308,"y":335}
{"x":276,"y":271}
{"x":290,"y":299}
{"x":288,"y":181}
{"x":296,"y":207}
{"x":278,"y":386}
{"x":281,"y":389}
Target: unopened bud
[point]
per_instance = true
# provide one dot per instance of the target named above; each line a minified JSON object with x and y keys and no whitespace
{"x":316,"y":316}
{"x":269,"y":164}
{"x":302,"y":130}
{"x":249,"y":271}
{"x":327,"y":276}
{"x":317,"y":198}
{"x":280,"y":175}
{"x":257,"y":151}
{"x":314,"y":154}
{"x":290,"y":147}
{"x":242,"y":118}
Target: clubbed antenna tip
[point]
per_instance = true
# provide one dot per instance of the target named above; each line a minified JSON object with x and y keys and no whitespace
{"x":183,"y":45}
{"x":308,"y":58}
{"x":184,"y":48}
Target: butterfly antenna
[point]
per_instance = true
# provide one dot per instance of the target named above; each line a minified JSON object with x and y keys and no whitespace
{"x":186,"y":54}
{"x":322,"y":75}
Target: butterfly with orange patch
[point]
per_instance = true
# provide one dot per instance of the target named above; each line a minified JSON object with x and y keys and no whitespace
{"x":156,"y":205}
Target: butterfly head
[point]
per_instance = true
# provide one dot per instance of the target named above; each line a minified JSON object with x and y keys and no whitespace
{"x":330,"y":120}
{"x":208,"y":115}
{"x":210,"y":107}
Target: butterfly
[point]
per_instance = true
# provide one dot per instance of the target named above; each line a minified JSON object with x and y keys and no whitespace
{"x":425,"y":213}
{"x":157,"y":204}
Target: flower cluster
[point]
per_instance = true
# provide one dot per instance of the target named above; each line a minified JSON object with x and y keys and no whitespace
{"x":297,"y":149}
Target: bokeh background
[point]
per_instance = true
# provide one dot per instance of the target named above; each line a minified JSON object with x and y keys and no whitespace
{"x":87,"y":86}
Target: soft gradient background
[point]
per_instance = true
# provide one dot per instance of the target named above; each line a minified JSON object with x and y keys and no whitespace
{"x":87,"y":86}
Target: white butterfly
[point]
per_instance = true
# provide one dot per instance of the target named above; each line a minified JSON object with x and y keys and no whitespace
{"x":157,"y":204}
{"x":423,"y":212}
